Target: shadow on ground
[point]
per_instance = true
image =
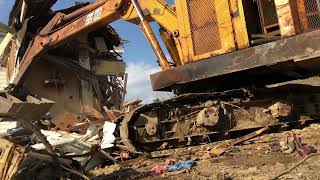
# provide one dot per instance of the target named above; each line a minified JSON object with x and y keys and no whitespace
{"x":124,"y":173}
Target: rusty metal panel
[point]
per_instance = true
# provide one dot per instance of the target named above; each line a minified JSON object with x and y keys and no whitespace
{"x":302,"y":50}
{"x":204,"y":26}
{"x":29,"y":110}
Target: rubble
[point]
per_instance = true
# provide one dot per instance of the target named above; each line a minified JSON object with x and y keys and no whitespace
{"x":64,"y":148}
{"x":79,"y":77}
{"x":80,"y":151}
{"x":246,"y":161}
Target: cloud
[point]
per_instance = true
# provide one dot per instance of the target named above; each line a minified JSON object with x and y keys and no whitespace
{"x":139,"y":85}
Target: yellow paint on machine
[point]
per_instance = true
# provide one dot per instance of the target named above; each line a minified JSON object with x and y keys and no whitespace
{"x":239,"y":24}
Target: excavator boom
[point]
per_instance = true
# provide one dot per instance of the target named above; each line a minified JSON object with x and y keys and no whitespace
{"x":63,"y":27}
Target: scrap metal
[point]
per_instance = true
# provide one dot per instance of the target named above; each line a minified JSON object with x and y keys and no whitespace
{"x":32,"y":108}
{"x":78,"y":76}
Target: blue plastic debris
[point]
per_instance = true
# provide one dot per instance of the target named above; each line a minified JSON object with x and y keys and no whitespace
{"x":180,"y":165}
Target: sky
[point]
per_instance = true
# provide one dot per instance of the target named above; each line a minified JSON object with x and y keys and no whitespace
{"x":139,"y":57}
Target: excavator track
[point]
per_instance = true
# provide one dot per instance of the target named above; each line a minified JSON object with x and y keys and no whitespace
{"x":192,"y":119}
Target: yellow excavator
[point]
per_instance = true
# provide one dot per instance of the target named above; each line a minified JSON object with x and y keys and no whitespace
{"x":232,"y":67}
{"x":191,"y":30}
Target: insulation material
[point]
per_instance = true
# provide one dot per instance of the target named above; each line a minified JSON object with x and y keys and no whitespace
{"x":6,"y":125}
{"x":108,"y":137}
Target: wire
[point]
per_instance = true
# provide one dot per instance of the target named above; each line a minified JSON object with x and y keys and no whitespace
{"x":75,"y":172}
{"x":295,"y":166}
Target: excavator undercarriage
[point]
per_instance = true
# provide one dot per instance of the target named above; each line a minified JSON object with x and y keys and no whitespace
{"x":192,"y":119}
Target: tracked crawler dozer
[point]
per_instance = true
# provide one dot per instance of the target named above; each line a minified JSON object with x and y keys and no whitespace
{"x":226,"y":57}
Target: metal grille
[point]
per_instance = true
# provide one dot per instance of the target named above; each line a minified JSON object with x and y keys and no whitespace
{"x":267,"y":12}
{"x":312,"y":9}
{"x":204,"y":26}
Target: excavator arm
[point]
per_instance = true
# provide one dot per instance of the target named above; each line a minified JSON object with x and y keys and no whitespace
{"x":63,"y":27}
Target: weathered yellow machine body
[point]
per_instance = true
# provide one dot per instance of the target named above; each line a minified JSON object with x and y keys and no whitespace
{"x":219,"y":28}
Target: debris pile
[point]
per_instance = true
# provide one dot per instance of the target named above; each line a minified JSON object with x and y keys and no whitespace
{"x":58,"y":118}
{"x":73,"y":152}
{"x":293,"y":143}
{"x":81,"y":77}
{"x":93,"y":146}
{"x":50,"y":152}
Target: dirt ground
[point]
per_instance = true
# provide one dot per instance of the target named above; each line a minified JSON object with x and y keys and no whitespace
{"x":258,"y":158}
